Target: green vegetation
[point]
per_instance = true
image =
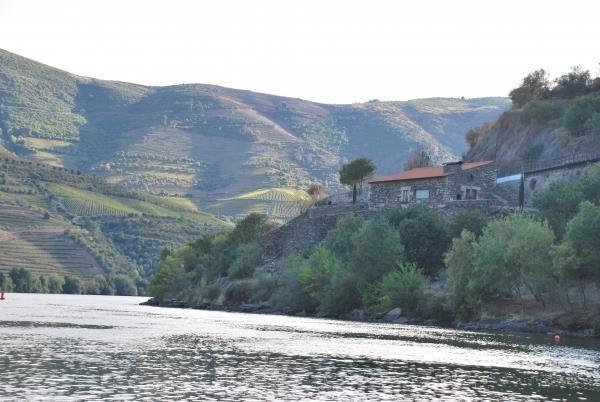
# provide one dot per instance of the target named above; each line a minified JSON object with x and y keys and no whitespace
{"x":59,"y":222}
{"x":212,"y":143}
{"x":572,"y":99}
{"x":394,"y":260}
{"x":355,"y":173}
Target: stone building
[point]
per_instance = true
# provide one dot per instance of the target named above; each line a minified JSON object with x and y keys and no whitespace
{"x":436,"y":184}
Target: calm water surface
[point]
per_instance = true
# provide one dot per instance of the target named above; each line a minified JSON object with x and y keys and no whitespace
{"x":62,"y":347}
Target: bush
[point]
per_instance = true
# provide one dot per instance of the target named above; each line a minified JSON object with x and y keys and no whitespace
{"x":580,"y":112}
{"x":424,"y":236}
{"x":72,"y":285}
{"x":248,"y":257}
{"x":239,"y":292}
{"x":511,"y":253}
{"x":404,"y":287}
{"x":376,"y":248}
{"x":532,"y":153}
{"x":343,"y":293}
{"x":592,"y":126}
{"x":290,"y":295}
{"x":558,"y":204}
{"x":472,"y":220}
{"x":464,"y":291}
{"x":124,"y":286}
{"x":542,"y":111}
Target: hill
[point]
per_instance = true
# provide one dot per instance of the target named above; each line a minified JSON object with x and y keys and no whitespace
{"x":59,"y":221}
{"x":549,"y":120}
{"x":215,"y":143}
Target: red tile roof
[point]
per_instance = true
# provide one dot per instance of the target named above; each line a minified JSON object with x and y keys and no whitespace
{"x":425,"y":173}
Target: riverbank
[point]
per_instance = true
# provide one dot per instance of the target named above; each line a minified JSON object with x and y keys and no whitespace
{"x":538,"y":324}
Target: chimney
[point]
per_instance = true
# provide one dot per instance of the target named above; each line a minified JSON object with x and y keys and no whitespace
{"x":452,"y":167}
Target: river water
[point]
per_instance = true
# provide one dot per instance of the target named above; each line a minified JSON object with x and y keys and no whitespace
{"x":64,"y":347}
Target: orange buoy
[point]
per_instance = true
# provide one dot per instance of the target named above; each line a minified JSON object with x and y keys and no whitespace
{"x":557,"y":338}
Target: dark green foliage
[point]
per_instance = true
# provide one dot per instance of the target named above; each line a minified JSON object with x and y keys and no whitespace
{"x":463,"y":289}
{"x":558,"y":204}
{"x":355,"y":173}
{"x":535,"y":86}
{"x":239,"y":292}
{"x":339,"y":240}
{"x":343,"y":293}
{"x":472,"y":220}
{"x":580,"y":113}
{"x":72,"y":285}
{"x":403,"y":287}
{"x":124,"y":286}
{"x":583,"y":238}
{"x":376,"y":248}
{"x":542,"y":111}
{"x":424,"y":236}
{"x":575,"y":83}
{"x":23,"y":281}
{"x":251,"y":228}
{"x":247,"y":258}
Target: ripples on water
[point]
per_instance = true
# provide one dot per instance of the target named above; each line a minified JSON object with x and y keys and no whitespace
{"x":59,"y":347}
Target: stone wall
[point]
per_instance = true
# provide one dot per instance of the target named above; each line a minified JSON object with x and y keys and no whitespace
{"x":381,"y":194}
{"x":482,"y":179}
{"x":441,"y":189}
{"x":536,"y":182}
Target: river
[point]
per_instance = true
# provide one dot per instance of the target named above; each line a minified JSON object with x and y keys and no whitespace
{"x":67,"y":347}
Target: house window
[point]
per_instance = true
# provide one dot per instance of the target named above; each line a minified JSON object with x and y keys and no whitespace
{"x":422,"y":194}
{"x":405,"y":194}
{"x":471,"y":194}
{"x":459,"y":196}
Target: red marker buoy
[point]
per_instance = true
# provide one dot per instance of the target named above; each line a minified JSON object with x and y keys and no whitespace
{"x":1,"y":295}
{"x":557,"y":338}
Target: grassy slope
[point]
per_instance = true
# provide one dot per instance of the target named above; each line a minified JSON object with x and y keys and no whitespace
{"x":213,"y":142}
{"x":50,"y":222}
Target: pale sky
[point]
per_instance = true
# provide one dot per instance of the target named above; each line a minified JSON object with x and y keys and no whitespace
{"x":323,"y":50}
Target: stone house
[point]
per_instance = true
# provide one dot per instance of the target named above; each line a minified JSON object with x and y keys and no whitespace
{"x":453,"y":181}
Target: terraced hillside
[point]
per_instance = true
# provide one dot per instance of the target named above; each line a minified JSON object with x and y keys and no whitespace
{"x":54,"y":220}
{"x":215,"y":143}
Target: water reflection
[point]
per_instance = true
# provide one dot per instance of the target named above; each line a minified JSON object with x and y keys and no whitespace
{"x":124,"y":351}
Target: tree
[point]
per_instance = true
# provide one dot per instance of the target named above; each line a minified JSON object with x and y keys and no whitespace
{"x":22,"y":279}
{"x":573,"y":84}
{"x":462,"y":287}
{"x":55,"y":283}
{"x":124,"y":286}
{"x":419,"y":158}
{"x":251,"y":228}
{"x":512,"y":253}
{"x":376,"y":250}
{"x":583,"y":236}
{"x":315,"y":275}
{"x":316,"y":192}
{"x":355,"y":173}
{"x":472,"y":220}
{"x":72,"y":285}
{"x":339,"y":240}
{"x":424,"y":236}
{"x":247,"y":258}
{"x":558,"y":204}
{"x":521,"y":197}
{"x":535,"y":86}
{"x":403,"y":287}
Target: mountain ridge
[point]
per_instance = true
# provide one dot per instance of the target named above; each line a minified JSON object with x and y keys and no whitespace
{"x":211,"y":142}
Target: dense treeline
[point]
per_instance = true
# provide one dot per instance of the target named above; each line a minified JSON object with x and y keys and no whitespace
{"x":21,"y":280}
{"x":412,"y":259}
{"x":572,"y":99}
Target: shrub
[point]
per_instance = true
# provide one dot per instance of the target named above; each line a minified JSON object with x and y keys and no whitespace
{"x":532,"y":153}
{"x":239,"y":292}
{"x":290,"y":295}
{"x":472,"y":220}
{"x":72,"y":285}
{"x":542,"y":111}
{"x":248,"y":257}
{"x":424,"y":236}
{"x":558,"y":204}
{"x":339,"y":240}
{"x":343,"y":293}
{"x":124,"y":286}
{"x":376,"y":248}
{"x":580,"y":112}
{"x":404,"y":287}
{"x":463,"y":290}
{"x":315,"y":275}
{"x":511,"y":253}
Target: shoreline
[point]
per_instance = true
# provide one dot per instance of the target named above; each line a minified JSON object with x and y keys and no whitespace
{"x":502,"y":325}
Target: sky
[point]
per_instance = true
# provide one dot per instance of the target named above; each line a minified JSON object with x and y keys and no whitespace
{"x":322,"y":50}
